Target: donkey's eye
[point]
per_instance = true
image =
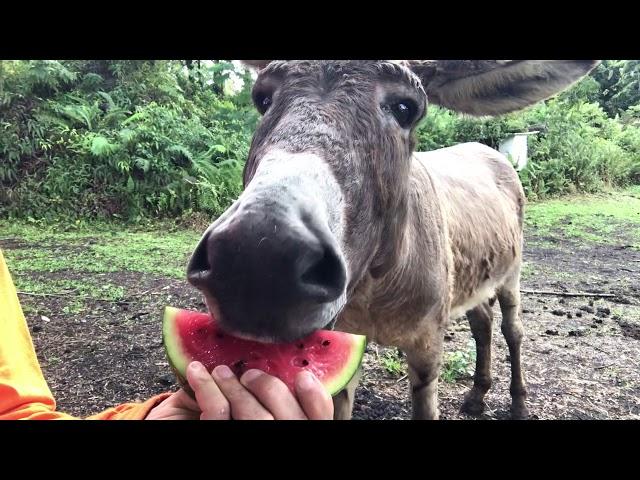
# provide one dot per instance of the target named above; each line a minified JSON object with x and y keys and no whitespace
{"x":263,"y":102}
{"x":404,"y":112}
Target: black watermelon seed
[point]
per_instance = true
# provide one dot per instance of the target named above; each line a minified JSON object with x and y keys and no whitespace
{"x":326,"y":343}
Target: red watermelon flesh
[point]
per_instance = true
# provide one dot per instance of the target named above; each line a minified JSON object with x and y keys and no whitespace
{"x":333,"y":357}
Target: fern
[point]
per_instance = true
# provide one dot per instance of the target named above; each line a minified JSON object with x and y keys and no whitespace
{"x":101,"y":147}
{"x":135,"y":138}
{"x":180,"y":150}
{"x":91,"y":81}
{"x":49,"y":73}
{"x":108,"y":99}
{"x":80,"y":113}
{"x":115,"y":116}
{"x":127,"y":135}
{"x":135,"y":117}
{"x":51,"y":120}
{"x":205,"y":168}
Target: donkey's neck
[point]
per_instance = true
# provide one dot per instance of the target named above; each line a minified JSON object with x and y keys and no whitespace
{"x":418,"y":281}
{"x":390,"y":309}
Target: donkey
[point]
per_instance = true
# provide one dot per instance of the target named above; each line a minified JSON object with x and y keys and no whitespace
{"x":341,"y":225}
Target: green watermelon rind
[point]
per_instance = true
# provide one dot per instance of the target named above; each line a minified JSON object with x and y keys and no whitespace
{"x":179,"y":363}
{"x":339,"y":382}
{"x":173,"y":349}
{"x":170,"y":338}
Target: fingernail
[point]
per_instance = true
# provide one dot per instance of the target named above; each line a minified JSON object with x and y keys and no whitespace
{"x":196,"y":367}
{"x":251,"y":375}
{"x":222,"y":372}
{"x":306,"y":381}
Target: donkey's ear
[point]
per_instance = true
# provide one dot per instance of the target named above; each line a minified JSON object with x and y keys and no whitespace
{"x":256,"y":64}
{"x":492,"y":87}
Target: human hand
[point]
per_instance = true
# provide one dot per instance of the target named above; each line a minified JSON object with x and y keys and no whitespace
{"x":255,"y":396}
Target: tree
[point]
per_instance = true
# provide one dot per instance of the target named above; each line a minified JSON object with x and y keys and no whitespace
{"x":619,"y":85}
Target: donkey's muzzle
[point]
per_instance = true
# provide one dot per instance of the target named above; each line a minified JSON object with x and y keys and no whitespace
{"x":271,"y":270}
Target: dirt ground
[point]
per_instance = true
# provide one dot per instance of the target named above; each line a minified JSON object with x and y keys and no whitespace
{"x":580,"y":355}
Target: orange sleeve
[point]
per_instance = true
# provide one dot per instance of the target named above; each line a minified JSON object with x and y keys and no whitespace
{"x":131,"y":411}
{"x":24,"y":393}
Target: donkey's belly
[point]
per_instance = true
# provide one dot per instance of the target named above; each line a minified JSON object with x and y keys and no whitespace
{"x":482,"y":294}
{"x":468,"y":296}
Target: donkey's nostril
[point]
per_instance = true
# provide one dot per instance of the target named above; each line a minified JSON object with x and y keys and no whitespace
{"x":199,"y":267}
{"x":325,"y":278}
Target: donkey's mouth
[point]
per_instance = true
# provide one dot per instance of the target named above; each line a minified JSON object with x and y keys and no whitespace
{"x":332,"y":324}
{"x":279,"y":337}
{"x":216,"y":314}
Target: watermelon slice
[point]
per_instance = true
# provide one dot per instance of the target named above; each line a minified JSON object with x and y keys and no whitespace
{"x":333,"y":357}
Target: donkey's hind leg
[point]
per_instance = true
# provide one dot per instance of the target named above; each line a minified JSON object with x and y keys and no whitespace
{"x":513,"y":331}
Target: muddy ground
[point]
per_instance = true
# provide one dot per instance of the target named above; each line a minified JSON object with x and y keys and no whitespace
{"x":581,"y":355}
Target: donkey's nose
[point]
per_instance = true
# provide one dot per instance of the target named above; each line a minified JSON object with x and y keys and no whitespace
{"x":261,"y":263}
{"x":319,"y":273}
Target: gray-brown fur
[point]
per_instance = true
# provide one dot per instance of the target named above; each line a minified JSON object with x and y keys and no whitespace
{"x":463,"y":237}
{"x":426,"y":237}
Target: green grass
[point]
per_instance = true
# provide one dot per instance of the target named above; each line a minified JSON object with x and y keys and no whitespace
{"x":528,"y":270}
{"x":539,"y":243}
{"x":98,"y":248}
{"x":596,"y":218}
{"x":75,"y":307}
{"x":392,"y":363}
{"x":458,"y":365}
{"x":85,"y":287}
{"x":629,"y":313}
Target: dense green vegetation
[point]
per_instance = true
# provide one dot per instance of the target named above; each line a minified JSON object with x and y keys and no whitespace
{"x":589,"y":136}
{"x":123,"y":139}
{"x":137,"y":139}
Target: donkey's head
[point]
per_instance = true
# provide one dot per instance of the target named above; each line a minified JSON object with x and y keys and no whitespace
{"x":327,"y":177}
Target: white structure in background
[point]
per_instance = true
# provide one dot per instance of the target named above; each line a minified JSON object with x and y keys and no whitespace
{"x":515,"y":148}
{"x":234,"y":83}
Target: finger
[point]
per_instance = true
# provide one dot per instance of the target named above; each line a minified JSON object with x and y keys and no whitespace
{"x":183,"y":399}
{"x":244,"y":406}
{"x":211,"y":401}
{"x":314,"y":398}
{"x":273,"y":394}
{"x":179,"y":406}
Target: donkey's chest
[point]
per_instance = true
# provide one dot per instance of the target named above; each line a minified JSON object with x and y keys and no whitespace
{"x":394,"y":318}
{"x":387,"y":330}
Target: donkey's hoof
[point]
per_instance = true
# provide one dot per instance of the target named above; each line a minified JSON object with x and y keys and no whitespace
{"x":472,"y":406}
{"x":520,"y":413}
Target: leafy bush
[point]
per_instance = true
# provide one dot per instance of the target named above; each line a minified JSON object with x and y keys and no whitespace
{"x":135,"y":139}
{"x":155,"y":144}
{"x":579,"y":148}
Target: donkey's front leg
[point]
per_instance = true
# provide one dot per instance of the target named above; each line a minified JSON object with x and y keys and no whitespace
{"x":425,"y":359}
